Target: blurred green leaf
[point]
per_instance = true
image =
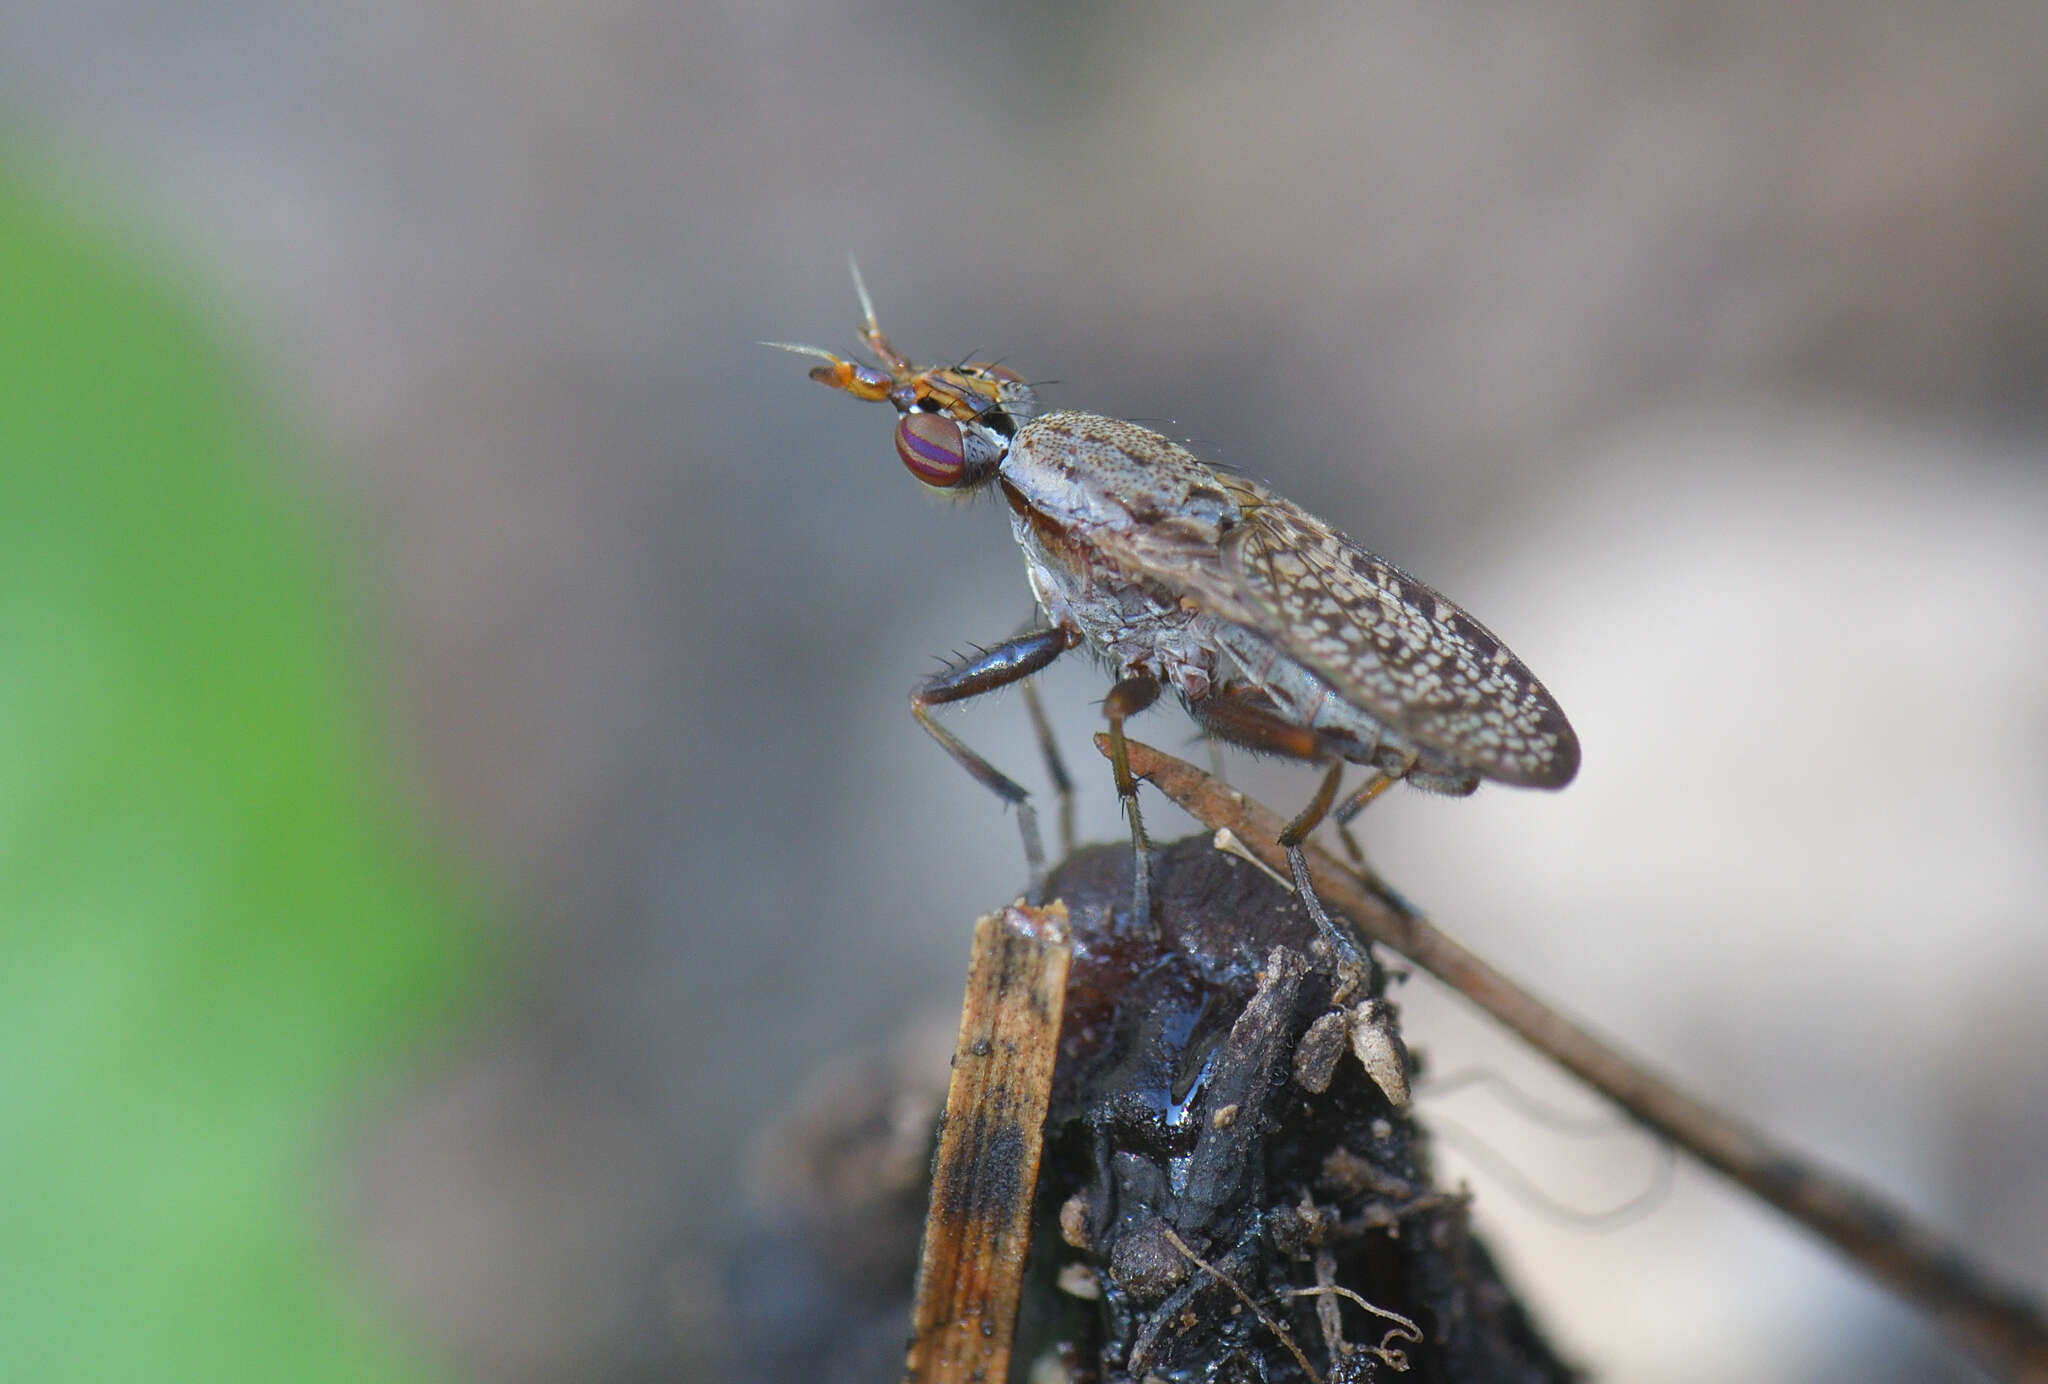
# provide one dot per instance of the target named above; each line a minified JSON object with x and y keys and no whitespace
{"x":214,"y":927}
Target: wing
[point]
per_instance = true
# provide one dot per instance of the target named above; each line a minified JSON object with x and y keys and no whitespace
{"x":1229,"y":547}
{"x":1393,"y":646}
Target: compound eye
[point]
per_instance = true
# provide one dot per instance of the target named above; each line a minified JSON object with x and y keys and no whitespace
{"x":932,"y":447}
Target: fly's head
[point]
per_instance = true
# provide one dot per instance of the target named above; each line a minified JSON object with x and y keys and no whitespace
{"x":956,"y":422}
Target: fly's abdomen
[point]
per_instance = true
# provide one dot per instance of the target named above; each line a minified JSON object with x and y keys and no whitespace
{"x":1300,"y":696}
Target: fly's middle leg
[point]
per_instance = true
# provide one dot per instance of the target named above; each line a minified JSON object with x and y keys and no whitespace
{"x":1013,"y":660}
{"x":1129,"y":697}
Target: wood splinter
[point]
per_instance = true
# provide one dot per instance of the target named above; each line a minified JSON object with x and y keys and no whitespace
{"x":978,"y":1229}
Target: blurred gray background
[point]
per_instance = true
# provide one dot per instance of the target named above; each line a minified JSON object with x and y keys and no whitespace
{"x":1697,"y":348}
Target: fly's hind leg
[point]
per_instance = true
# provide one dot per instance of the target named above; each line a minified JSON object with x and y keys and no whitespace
{"x":1377,"y":782}
{"x":1349,"y":957}
{"x":1249,"y":719}
{"x":1013,"y":660}
{"x":1129,"y":697}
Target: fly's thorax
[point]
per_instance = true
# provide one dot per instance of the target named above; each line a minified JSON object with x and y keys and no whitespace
{"x":1129,"y":626}
{"x":1085,"y":470}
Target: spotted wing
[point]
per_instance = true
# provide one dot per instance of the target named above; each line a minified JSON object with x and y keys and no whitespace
{"x":1395,"y":647}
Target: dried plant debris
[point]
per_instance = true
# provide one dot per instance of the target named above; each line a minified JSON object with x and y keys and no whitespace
{"x":1252,"y":1202}
{"x":1226,"y":1193}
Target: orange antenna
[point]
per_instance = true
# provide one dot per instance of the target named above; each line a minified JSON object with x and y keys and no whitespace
{"x":871,"y":330}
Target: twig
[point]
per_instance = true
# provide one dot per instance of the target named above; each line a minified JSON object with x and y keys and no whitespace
{"x":2002,"y":1327}
{"x":979,"y":1226}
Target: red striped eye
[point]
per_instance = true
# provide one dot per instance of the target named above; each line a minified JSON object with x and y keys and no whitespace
{"x":931,"y":446}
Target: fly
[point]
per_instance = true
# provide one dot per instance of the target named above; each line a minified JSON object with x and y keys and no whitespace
{"x":1276,"y":632}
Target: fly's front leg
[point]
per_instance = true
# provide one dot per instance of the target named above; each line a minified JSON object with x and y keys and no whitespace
{"x":1013,"y":660}
{"x":1129,"y":697}
{"x":1049,"y":750}
{"x":1055,"y":766}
